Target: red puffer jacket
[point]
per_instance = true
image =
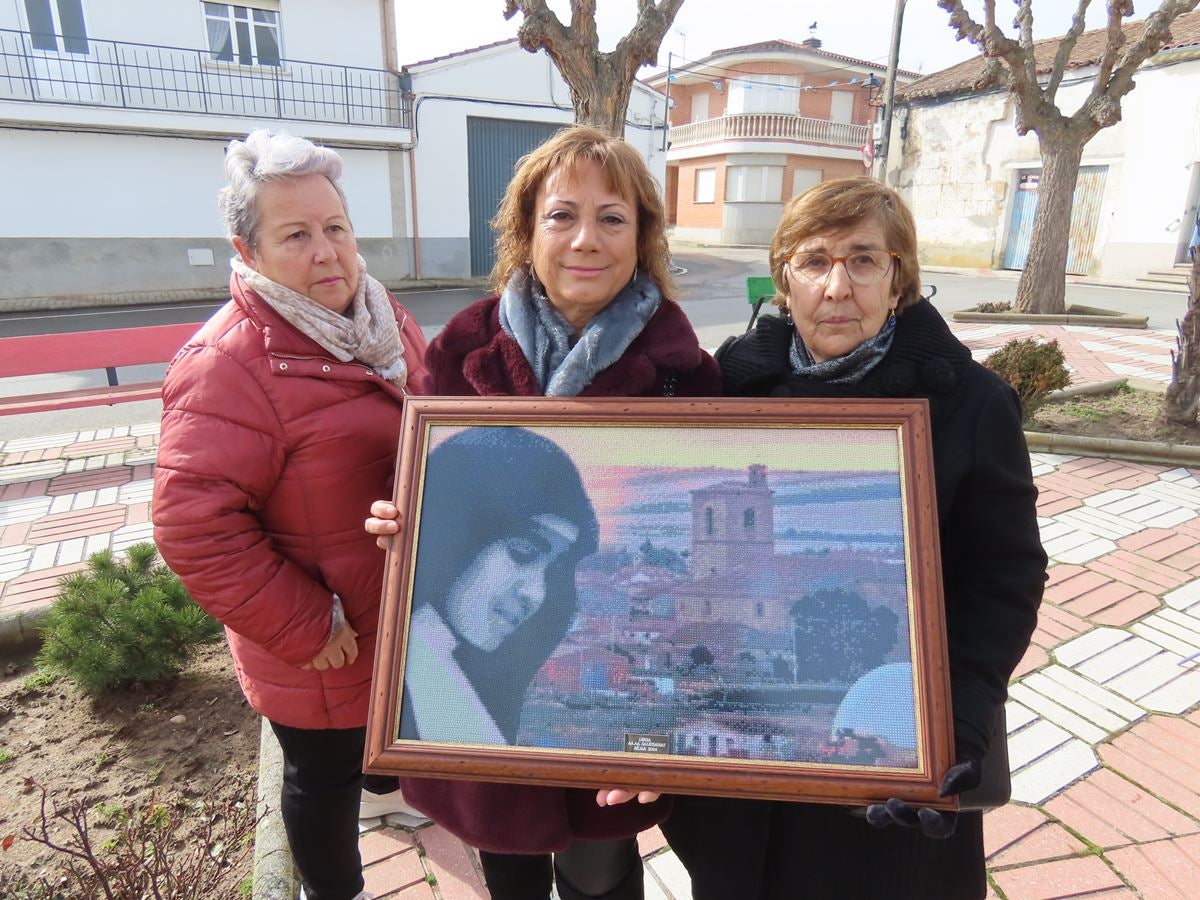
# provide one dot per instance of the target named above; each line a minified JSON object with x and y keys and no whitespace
{"x":473,"y":356}
{"x":271,"y":451}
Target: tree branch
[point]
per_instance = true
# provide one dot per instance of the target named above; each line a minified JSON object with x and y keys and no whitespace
{"x":1103,"y":105}
{"x":540,"y":27}
{"x":583,"y":25}
{"x":640,"y":46}
{"x":1114,"y":38}
{"x":1065,"y":46}
{"x":1023,"y":22}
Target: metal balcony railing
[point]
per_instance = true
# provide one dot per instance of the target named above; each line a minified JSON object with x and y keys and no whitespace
{"x":769,"y":126}
{"x":176,"y":79}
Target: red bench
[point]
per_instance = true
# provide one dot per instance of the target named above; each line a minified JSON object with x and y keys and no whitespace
{"x":43,"y":354}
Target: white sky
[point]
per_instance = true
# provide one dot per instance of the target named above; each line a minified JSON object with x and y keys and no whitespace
{"x":426,"y":30}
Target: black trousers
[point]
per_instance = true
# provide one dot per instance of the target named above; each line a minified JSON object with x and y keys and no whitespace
{"x":764,"y":850}
{"x":586,"y":870}
{"x":322,"y":787}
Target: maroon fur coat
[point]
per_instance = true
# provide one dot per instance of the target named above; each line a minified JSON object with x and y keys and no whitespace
{"x":474,"y":357}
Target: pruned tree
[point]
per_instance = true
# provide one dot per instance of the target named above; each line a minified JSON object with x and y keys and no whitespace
{"x":1011,"y":63}
{"x":1182,"y":401}
{"x":600,"y":82}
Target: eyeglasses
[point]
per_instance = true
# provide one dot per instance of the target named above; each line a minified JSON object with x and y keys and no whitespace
{"x":864,"y":268}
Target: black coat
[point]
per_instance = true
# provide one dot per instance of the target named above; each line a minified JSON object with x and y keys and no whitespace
{"x":993,"y":572}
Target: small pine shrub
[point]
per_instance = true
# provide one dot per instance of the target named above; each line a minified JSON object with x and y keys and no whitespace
{"x":122,"y":622}
{"x":1032,"y":368}
{"x":994,"y":306}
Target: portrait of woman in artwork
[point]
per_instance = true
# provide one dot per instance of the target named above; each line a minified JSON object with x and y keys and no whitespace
{"x":494,"y":588}
{"x":853,"y":323}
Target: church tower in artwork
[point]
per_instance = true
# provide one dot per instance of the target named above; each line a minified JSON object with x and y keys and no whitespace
{"x":733,"y":526}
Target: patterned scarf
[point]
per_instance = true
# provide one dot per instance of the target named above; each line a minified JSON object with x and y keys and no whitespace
{"x":849,"y":369}
{"x":367,"y":331}
{"x":563,"y":365}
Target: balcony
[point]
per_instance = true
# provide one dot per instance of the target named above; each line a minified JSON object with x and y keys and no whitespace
{"x":123,"y":75}
{"x":769,"y":127}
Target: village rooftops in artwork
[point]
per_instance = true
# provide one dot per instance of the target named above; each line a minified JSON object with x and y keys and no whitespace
{"x":738,"y":631}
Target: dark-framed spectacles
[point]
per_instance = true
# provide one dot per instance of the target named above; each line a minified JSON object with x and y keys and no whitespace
{"x":863,"y":267}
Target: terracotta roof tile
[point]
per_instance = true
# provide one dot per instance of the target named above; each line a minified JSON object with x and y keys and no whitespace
{"x":1185,"y":32}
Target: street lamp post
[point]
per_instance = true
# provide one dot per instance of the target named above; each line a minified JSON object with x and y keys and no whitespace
{"x":893,"y":58}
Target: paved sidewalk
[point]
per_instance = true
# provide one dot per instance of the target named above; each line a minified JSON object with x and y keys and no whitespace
{"x":1104,"y":714}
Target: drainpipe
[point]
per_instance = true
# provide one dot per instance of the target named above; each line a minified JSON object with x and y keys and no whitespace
{"x":416,"y":230}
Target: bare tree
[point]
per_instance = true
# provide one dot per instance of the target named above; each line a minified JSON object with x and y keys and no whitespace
{"x":1183,"y":393}
{"x":1011,"y":63}
{"x":600,"y":83}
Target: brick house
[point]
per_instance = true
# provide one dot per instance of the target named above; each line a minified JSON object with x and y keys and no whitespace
{"x":753,"y":126}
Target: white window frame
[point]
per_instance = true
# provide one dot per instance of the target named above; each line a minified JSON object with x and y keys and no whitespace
{"x":754,"y":184}
{"x":246,"y":13}
{"x":699,"y":106}
{"x":706,"y":185}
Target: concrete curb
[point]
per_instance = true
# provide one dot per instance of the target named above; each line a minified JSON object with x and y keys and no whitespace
{"x":1113,"y":448}
{"x":274,"y":874}
{"x":1086,"y":390}
{"x":1075,"y":315}
{"x":19,"y":631}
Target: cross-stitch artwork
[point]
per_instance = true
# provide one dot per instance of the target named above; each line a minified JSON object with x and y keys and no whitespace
{"x":711,"y":593}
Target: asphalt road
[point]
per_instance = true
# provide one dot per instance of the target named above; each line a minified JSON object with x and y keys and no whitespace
{"x":712,"y":290}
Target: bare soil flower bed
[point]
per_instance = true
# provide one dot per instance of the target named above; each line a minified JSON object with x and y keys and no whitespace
{"x":1126,"y":413}
{"x":170,"y":742}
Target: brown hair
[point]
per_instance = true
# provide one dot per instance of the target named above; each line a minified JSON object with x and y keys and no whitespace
{"x":627,"y":175}
{"x":840,"y":204}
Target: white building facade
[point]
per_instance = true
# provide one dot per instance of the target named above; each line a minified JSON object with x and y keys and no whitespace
{"x":973,"y":182}
{"x":114,"y":115}
{"x":474,"y":114}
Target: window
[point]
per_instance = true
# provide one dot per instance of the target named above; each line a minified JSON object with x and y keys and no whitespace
{"x":754,"y":184}
{"x":708,"y":521}
{"x":841,"y":106}
{"x":699,"y":107}
{"x":754,"y":93}
{"x":248,"y":35}
{"x":803,"y":179}
{"x":706,"y":186}
{"x":760,"y":609}
{"x":51,"y":19}
{"x":748,"y":520}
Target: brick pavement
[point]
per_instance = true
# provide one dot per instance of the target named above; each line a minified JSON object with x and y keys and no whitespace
{"x":1104,"y":712}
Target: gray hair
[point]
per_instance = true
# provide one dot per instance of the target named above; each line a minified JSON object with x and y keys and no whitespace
{"x":269,"y":156}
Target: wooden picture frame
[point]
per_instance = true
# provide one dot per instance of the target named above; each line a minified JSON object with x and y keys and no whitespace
{"x":727,"y":597}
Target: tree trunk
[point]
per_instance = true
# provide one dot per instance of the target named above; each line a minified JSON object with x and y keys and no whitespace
{"x":1043,"y":284}
{"x":1183,"y":393}
{"x":601,"y":99}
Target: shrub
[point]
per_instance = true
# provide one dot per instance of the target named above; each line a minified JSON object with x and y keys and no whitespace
{"x":122,"y":622}
{"x":1032,"y":368}
{"x":169,"y":849}
{"x":994,"y":306}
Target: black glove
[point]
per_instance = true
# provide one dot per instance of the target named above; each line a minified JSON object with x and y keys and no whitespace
{"x":935,"y":823}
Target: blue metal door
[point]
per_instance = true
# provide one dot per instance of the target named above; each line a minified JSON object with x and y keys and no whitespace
{"x":1020,"y":227}
{"x":1085,"y":219}
{"x":493,"y":148}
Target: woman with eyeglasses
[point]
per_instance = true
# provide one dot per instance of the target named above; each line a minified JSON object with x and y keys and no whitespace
{"x":854,"y":324}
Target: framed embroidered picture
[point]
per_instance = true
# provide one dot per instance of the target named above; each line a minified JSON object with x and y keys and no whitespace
{"x":731,"y":597}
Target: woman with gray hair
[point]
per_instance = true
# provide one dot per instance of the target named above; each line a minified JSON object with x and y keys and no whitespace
{"x":281,"y":418}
